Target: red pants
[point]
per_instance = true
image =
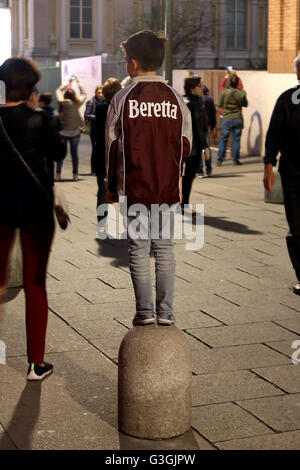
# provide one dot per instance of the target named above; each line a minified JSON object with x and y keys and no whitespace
{"x":36,"y":243}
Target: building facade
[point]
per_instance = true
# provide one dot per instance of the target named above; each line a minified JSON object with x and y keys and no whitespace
{"x":283,"y":35}
{"x":207,"y":33}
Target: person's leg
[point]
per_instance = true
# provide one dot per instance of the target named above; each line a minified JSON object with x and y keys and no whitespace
{"x":191,"y":166}
{"x":74,"y":142}
{"x":225,"y":131}
{"x":93,"y":156}
{"x":236,"y":138}
{"x":200,"y":167}
{"x":291,"y":191}
{"x":7,"y":235}
{"x":59,"y":164}
{"x":208,"y":163}
{"x":101,"y":201}
{"x":165,"y":264}
{"x":36,"y":242}
{"x":139,"y":264}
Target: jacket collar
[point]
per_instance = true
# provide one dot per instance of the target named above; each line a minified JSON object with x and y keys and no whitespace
{"x":149,"y":78}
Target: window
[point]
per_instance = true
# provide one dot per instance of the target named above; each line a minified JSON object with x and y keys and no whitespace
{"x":81,"y":26}
{"x":236,"y":24}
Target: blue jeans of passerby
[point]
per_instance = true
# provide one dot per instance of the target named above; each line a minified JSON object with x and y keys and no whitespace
{"x":235,"y":126}
{"x":139,"y":263}
{"x":74,"y":142}
{"x":208,"y":163}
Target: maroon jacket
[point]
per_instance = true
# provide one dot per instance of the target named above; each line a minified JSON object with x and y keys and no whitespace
{"x":148,"y":138}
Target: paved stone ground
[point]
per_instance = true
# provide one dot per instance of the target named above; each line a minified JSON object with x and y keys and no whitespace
{"x":233,"y":301}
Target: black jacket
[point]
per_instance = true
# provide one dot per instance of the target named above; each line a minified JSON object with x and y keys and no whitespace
{"x":35,"y":137}
{"x":199,"y":122}
{"x":101,"y":115}
{"x":283,"y":135}
{"x":209,"y":106}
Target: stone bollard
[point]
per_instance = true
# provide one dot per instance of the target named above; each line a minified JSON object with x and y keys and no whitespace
{"x":155,"y":374}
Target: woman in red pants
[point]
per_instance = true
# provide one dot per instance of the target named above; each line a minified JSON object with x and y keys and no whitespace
{"x":24,"y":204}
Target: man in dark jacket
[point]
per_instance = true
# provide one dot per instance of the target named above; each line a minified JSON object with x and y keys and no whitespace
{"x":44,"y":101}
{"x":283,"y":136}
{"x":193,"y":91}
{"x":110,"y":88}
{"x":90,"y":115}
{"x":211,"y":122}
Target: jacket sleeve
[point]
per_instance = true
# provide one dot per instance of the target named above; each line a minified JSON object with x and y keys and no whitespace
{"x":244,"y":102}
{"x":60,"y":93}
{"x":112,"y":134}
{"x":221,"y":100}
{"x":83,"y":95}
{"x":187,"y":135}
{"x":275,"y":132}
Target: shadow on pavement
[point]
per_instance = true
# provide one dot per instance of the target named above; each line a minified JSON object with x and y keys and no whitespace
{"x":185,"y":442}
{"x":115,"y":249}
{"x":222,"y":223}
{"x":25,"y":417}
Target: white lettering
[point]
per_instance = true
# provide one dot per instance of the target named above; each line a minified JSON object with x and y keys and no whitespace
{"x":143,"y":109}
{"x":133,"y":109}
{"x":164,"y":109}
{"x":157,"y":110}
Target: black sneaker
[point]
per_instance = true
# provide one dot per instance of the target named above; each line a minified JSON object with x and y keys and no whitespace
{"x":36,"y":372}
{"x":296,"y":288}
{"x":141,"y":319}
{"x":237,"y":163}
{"x":165,"y":319}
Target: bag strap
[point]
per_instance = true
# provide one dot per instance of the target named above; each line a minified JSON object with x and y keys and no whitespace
{"x":17,"y":153}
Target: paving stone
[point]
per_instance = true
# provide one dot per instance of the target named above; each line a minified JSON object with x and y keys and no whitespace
{"x":94,"y":312}
{"x":235,"y":358}
{"x":284,"y":347}
{"x":281,"y":413}
{"x":286,"y":377}
{"x":282,"y":441}
{"x":109,"y":341}
{"x":63,"y":298}
{"x":239,"y":315}
{"x":186,"y":320}
{"x":228,"y":387}
{"x":291,"y":324}
{"x":226,"y":421}
{"x":242,"y":334}
{"x":195,"y":344}
{"x":84,"y":387}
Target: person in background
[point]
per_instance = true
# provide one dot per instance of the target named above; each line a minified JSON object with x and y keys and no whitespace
{"x":110,"y":88}
{"x":283,"y":137}
{"x":70,"y":104}
{"x":211,"y":121}
{"x":25,"y":204}
{"x":232,"y":100}
{"x":230,"y":70}
{"x":193,"y":91}
{"x":44,"y":102}
{"x":90,"y":115}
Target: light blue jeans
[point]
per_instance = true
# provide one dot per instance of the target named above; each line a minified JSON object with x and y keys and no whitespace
{"x":139,"y":263}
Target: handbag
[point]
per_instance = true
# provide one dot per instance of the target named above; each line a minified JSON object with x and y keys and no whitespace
{"x":60,"y":208}
{"x":85,"y":127}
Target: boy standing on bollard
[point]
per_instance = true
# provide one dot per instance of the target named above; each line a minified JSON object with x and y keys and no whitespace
{"x":148,"y":139}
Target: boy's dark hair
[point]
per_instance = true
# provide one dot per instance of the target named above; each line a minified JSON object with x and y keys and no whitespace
{"x":46,"y":98}
{"x":234,"y":81}
{"x":190,"y":83}
{"x":147,"y":48}
{"x":20,"y":75}
{"x":110,"y":88}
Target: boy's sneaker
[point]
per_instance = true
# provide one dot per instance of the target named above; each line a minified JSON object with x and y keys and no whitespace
{"x":36,"y":372}
{"x":143,"y":319}
{"x":200,"y":175}
{"x":166,"y":319}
